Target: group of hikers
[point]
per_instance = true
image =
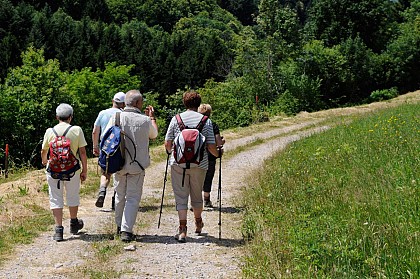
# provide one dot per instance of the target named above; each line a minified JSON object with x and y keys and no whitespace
{"x":138,"y":127}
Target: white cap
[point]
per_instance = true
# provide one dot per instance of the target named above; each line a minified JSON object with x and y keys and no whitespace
{"x":119,"y":97}
{"x":64,"y":110}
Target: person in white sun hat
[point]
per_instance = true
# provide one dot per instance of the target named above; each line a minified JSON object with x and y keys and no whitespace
{"x":97,"y":133}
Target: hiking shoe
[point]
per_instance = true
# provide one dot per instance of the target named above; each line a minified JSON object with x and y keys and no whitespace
{"x":58,"y":235}
{"x":127,"y":236}
{"x":76,"y":225}
{"x":181,"y":236}
{"x":101,"y":198}
{"x":208,"y":203}
{"x":199,"y":226}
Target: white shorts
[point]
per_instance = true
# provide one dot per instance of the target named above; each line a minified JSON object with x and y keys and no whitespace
{"x":72,"y":189}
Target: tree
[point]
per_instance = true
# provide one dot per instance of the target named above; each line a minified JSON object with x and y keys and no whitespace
{"x":334,"y":21}
{"x":31,"y":92}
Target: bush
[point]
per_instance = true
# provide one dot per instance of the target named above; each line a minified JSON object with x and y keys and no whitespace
{"x":384,"y":94}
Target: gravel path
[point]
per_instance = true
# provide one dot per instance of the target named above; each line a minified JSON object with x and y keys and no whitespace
{"x":156,"y":253}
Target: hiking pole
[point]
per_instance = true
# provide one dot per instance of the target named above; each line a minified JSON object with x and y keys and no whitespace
{"x":219,"y":195}
{"x":164,"y":183}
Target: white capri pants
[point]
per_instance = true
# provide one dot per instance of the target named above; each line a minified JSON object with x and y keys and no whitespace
{"x":72,"y":189}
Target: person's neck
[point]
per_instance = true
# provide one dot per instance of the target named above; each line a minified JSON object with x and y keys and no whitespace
{"x":193,"y":109}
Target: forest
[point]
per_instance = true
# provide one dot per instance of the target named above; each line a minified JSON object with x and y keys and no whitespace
{"x":250,"y":59}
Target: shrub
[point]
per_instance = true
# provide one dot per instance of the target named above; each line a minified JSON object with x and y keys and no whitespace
{"x":384,"y":94}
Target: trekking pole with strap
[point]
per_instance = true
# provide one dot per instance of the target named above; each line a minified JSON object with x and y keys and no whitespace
{"x":219,"y":195}
{"x":164,"y":184}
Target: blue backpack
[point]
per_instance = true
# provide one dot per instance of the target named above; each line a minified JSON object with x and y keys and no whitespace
{"x":112,"y":153}
{"x":111,"y":157}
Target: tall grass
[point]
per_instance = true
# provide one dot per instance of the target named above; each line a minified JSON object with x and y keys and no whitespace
{"x":341,"y":204}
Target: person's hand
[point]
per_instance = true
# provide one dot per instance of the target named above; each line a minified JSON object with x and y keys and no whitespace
{"x":83,"y":176}
{"x":223,"y":140}
{"x":96,"y":150}
{"x":149,"y":111}
{"x":221,"y":150}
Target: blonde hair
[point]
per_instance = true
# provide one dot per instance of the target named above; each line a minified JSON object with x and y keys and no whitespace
{"x":204,"y":109}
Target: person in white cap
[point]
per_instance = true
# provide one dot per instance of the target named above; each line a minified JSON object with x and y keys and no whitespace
{"x":97,"y":133}
{"x":64,"y":115}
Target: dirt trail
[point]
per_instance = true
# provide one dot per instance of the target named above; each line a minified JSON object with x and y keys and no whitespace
{"x":157,"y":254}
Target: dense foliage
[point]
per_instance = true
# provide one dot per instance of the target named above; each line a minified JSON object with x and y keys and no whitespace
{"x":248,"y":58}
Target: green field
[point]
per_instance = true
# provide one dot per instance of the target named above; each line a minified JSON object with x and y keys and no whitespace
{"x":341,"y":204}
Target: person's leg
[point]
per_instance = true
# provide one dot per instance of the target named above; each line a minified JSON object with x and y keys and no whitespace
{"x":208,"y":181}
{"x":104,"y":182}
{"x":133,"y":196}
{"x":197,"y":177}
{"x":120,"y":184}
{"x":56,"y":206}
{"x":58,"y":216}
{"x":73,"y":202}
{"x":181,"y":194}
{"x":114,"y":193}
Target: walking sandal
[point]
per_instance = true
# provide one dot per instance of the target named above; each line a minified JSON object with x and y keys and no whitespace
{"x":181,"y":236}
{"x":198,"y":225}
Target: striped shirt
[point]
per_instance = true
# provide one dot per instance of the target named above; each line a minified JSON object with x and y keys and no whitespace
{"x":191,"y":119}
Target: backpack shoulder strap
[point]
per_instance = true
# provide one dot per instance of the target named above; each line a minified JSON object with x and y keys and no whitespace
{"x":117,"y":118}
{"x":65,"y":132}
{"x":203,"y":120}
{"x":118,"y":124}
{"x":181,"y":124}
{"x":54,"y":131}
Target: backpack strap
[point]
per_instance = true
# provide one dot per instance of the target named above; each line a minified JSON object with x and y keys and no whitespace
{"x":117,"y":118}
{"x":65,"y":132}
{"x":124,"y":136}
{"x":118,"y":124}
{"x":202,"y":122}
{"x":54,"y":131}
{"x":181,"y":124}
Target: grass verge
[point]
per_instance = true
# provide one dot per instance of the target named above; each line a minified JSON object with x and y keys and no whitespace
{"x":341,"y":204}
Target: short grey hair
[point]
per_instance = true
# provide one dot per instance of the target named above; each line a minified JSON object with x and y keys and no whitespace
{"x":64,"y":111}
{"x":132,"y":97}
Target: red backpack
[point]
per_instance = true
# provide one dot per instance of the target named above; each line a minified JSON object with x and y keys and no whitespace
{"x":189,"y":145}
{"x":62,"y":162}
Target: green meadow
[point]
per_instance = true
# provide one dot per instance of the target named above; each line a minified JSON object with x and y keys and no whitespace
{"x":341,"y":204}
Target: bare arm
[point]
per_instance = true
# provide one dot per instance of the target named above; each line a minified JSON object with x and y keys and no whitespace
{"x":212,"y":148}
{"x":44,"y":153}
{"x":219,"y":140}
{"x":83,"y":158}
{"x":95,"y":139}
{"x":150,"y":111}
